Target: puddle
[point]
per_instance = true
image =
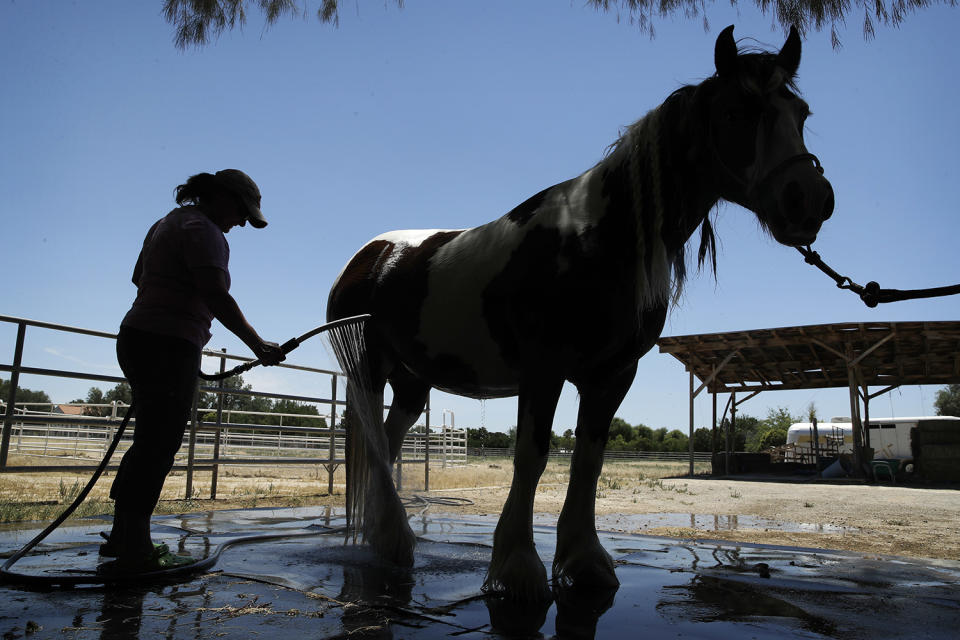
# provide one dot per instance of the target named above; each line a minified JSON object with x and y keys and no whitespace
{"x":641,"y":522}
{"x":319,"y":587}
{"x":644,"y":522}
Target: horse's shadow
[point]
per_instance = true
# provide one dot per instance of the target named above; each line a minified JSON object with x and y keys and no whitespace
{"x":579,"y":610}
{"x":378,"y":592}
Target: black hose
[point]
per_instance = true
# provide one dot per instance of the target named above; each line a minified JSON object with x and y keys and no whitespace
{"x":9,"y":576}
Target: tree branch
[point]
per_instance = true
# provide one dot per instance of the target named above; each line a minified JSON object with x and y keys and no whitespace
{"x":198,"y":22}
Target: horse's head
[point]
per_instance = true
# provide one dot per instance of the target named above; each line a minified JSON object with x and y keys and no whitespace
{"x":756,"y":134}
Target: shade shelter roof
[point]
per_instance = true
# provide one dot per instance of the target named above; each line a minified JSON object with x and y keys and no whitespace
{"x":821,"y":356}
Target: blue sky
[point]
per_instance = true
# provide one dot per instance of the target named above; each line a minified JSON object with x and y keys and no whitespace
{"x":442,"y":115}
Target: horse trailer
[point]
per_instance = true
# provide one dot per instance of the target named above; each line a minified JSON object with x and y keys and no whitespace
{"x":889,"y":437}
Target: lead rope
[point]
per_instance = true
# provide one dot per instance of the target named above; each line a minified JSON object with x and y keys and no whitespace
{"x":872,"y":294}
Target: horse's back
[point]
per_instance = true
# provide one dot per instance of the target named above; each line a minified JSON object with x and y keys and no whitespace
{"x":482,"y":304}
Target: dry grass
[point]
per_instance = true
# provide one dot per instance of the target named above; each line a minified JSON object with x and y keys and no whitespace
{"x":39,"y":496}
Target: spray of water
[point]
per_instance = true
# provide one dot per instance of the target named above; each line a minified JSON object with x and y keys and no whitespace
{"x":363,"y":419}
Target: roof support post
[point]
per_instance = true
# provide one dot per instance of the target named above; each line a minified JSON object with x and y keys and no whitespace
{"x":865,"y":396}
{"x":713,"y":431}
{"x":690,"y":440}
{"x":853,"y":387}
{"x":695,"y":393}
{"x":731,"y":430}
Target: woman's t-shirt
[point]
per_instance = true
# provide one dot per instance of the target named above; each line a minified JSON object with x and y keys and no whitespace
{"x":168,"y":301}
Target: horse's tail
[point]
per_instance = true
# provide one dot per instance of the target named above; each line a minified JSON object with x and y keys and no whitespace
{"x":363,"y":418}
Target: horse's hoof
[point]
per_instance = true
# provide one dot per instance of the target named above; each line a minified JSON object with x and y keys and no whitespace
{"x":590,"y":567}
{"x":519,"y":576}
{"x":391,"y":537}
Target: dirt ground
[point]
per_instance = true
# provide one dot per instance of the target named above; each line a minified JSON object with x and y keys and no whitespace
{"x":887,"y":520}
{"x":636,"y":497}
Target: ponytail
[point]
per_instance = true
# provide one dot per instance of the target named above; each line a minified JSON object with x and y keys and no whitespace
{"x":197,"y":188}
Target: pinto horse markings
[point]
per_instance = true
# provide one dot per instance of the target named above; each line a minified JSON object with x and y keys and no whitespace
{"x":571,"y":285}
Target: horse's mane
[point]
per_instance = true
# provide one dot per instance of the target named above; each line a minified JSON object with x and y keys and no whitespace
{"x":641,"y":147}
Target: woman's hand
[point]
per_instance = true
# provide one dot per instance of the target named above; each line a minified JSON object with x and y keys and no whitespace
{"x":269,"y":353}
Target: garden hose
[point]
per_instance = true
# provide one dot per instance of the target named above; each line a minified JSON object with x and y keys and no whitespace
{"x":69,"y":580}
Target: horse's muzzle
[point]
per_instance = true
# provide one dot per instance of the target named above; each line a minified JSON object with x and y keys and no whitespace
{"x":796,"y":202}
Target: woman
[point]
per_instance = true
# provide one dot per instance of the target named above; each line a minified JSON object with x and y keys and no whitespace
{"x":182,"y":284}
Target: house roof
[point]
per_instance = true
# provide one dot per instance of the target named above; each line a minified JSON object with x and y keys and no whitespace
{"x":70,"y":409}
{"x":817,"y":356}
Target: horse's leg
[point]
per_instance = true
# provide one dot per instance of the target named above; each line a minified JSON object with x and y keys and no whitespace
{"x":515,"y":568}
{"x":383,"y":519}
{"x":409,"y":397}
{"x":580,"y":559}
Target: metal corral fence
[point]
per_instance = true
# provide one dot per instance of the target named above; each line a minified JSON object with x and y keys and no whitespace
{"x":677,"y":456}
{"x":216,"y":436}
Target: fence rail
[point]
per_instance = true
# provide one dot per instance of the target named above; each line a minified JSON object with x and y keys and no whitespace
{"x":208,"y":444}
{"x":680,"y":456}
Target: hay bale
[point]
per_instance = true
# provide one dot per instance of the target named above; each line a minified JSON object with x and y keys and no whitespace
{"x":939,"y":463}
{"x":937,"y":432}
{"x":936,"y":450}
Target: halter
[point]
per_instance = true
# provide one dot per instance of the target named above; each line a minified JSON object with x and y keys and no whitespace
{"x":750,"y":191}
{"x":786,"y":164}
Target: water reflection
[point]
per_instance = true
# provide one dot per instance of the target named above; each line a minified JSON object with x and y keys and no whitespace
{"x":516,"y":619}
{"x":374,"y":590}
{"x":642,"y":522}
{"x":579,"y":611}
{"x":121,"y":613}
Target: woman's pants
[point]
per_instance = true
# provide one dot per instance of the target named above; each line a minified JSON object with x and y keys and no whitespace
{"x":162,"y":371}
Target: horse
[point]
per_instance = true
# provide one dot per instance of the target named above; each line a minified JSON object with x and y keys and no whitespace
{"x":571,"y":285}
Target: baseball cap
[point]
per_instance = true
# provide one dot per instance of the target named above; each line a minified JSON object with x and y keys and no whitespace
{"x":246,"y":189}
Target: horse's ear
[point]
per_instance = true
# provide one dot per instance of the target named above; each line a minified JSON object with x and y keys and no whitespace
{"x":725,"y":53}
{"x":789,"y":57}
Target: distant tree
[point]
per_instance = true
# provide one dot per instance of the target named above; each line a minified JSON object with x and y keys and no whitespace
{"x":644,"y":439}
{"x":302,"y":408}
{"x":675,"y":440}
{"x":499,"y":440}
{"x":620,"y":428}
{"x":745,"y":428}
{"x":779,"y":418}
{"x":702,"y":439}
{"x":23,"y":395}
{"x":948,"y":401}
{"x":122,"y":394}
{"x":772,"y":438}
{"x":242,"y":402}
{"x":198,"y":22}
{"x":772,"y":430}
{"x":643,"y":443}
{"x":554,"y":441}
{"x":477,"y":438}
{"x":568,"y":440}
{"x":617,"y":443}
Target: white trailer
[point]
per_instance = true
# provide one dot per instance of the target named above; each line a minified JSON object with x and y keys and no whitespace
{"x":889,"y":437}
{"x":836,"y":435}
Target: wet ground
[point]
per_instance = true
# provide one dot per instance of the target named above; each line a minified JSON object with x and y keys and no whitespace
{"x":314,"y":586}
